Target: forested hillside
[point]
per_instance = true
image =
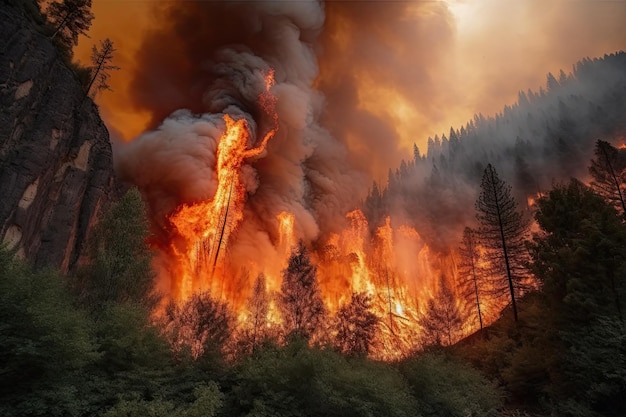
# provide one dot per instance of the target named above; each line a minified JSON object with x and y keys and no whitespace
{"x":546,"y":136}
{"x":94,"y":337}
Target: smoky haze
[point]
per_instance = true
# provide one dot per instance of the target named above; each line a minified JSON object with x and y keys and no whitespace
{"x":357,"y":83}
{"x":211,"y":59}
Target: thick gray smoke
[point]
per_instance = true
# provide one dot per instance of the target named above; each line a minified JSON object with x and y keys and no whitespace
{"x":303,"y":170}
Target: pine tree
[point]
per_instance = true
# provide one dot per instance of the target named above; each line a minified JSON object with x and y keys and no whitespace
{"x":502,"y":232}
{"x":580,"y":259}
{"x":300,"y":301}
{"x":356,"y":326}
{"x":119,"y":264}
{"x":470,"y":272}
{"x":201,"y":323}
{"x":608,"y":170}
{"x":442,"y":320}
{"x":258,"y":308}
{"x":101,"y":66}
{"x":71,"y":18}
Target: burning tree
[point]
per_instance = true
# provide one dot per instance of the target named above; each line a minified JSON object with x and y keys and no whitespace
{"x":71,"y":18}
{"x":609,"y":176}
{"x":442,"y":319}
{"x":201,"y":323}
{"x":300,"y":301}
{"x":356,"y":326}
{"x":502,"y":232}
{"x":255,"y":329}
{"x":469,"y":271}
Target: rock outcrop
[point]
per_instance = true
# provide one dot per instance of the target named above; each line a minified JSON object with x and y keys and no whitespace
{"x":56,"y":169}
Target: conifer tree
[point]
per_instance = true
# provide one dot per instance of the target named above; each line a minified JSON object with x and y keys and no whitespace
{"x":608,"y":172}
{"x":356,"y":326}
{"x":470,"y":273}
{"x":201,"y":323}
{"x":255,"y":330}
{"x":503,"y":231}
{"x":71,"y":18}
{"x":442,"y":321}
{"x":101,"y":66}
{"x":300,"y":301}
{"x":119,"y":264}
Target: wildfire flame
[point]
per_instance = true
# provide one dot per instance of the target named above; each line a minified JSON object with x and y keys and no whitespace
{"x":207,"y":226}
{"x":393,"y":265}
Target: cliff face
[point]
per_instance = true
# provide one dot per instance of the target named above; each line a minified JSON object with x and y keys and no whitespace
{"x":56,"y":168}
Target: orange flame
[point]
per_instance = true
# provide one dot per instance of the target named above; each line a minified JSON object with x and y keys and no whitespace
{"x":207,"y":226}
{"x":393,"y":265}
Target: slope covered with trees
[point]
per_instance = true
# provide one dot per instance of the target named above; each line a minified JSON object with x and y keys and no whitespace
{"x":546,"y":136}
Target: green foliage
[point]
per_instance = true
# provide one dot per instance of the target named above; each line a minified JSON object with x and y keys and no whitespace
{"x":581,"y":261}
{"x":446,"y":388}
{"x":208,"y":400}
{"x":566,"y":355}
{"x":581,"y":257}
{"x":119,"y":268}
{"x":138,"y":407}
{"x":45,"y":342}
{"x":300,"y":381}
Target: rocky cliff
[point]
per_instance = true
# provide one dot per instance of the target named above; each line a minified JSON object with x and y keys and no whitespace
{"x":56,"y":169}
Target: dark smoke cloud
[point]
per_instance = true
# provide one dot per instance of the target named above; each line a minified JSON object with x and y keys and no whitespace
{"x":210,"y":58}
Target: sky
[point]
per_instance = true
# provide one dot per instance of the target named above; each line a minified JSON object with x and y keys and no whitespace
{"x":403,"y":70}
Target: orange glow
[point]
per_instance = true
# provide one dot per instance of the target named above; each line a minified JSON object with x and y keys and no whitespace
{"x":206,"y":226}
{"x":411,"y":66}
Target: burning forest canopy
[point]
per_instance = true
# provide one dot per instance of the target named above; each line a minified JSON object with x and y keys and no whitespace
{"x":268,"y":122}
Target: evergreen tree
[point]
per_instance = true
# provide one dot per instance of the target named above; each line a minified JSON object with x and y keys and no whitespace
{"x":71,"y":18}
{"x":255,"y":329}
{"x":470,"y":272}
{"x":200,"y":323}
{"x":45,"y":343}
{"x":580,"y":259}
{"x":356,"y":326}
{"x":101,"y":66}
{"x":300,"y":301}
{"x":608,"y":170}
{"x":442,"y":322}
{"x":119,"y":260}
{"x":502,"y":232}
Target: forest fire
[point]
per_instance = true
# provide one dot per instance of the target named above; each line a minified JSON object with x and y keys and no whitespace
{"x":259,"y":180}
{"x":206,"y":226}
{"x":392,"y":266}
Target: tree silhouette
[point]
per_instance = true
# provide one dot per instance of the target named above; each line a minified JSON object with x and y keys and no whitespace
{"x":356,"y":326}
{"x":442,"y":319}
{"x":71,"y":18}
{"x":502,"y":232}
{"x":201,"y":323}
{"x":607,"y":170}
{"x":101,"y":66}
{"x":255,"y":330}
{"x":469,"y":271}
{"x":300,"y":302}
